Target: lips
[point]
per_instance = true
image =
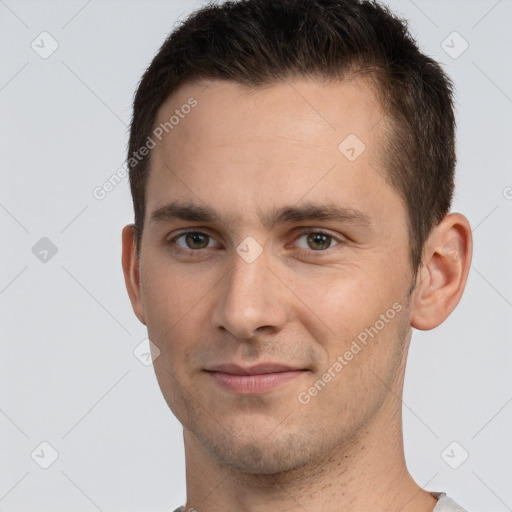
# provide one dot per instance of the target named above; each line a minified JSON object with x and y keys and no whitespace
{"x":257,"y":379}
{"x":234,"y":369}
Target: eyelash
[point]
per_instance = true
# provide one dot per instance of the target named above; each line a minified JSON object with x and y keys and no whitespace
{"x":305,"y":231}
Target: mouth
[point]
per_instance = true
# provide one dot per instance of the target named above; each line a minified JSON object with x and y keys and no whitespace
{"x":258,"y":379}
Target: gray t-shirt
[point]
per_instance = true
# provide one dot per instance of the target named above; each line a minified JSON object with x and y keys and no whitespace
{"x":444,"y":504}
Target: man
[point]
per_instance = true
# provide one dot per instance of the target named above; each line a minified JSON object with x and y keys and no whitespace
{"x":291,"y":166}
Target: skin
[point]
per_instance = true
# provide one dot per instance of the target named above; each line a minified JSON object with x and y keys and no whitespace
{"x":300,"y":302}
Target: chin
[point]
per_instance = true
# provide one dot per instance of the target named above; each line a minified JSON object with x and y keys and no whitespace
{"x":263,"y":452}
{"x":258,"y":458}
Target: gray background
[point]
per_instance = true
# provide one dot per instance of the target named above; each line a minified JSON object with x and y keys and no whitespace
{"x":69,"y":376}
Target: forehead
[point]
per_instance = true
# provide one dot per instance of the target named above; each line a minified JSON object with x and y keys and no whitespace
{"x":300,"y":106}
{"x":239,"y":147}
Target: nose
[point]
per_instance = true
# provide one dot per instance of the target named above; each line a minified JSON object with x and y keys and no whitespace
{"x":252,"y":299}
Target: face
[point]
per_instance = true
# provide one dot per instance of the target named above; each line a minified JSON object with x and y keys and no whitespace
{"x":274,"y":269}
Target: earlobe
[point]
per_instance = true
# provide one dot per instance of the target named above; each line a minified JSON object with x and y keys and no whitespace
{"x":131,"y":271}
{"x":443,"y":275}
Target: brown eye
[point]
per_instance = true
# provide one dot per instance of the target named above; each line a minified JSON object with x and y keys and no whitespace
{"x":315,"y":243}
{"x":196,"y":240}
{"x":319,"y":241}
{"x":193,"y":240}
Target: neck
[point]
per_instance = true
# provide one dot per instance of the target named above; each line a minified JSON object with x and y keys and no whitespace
{"x":367,"y":473}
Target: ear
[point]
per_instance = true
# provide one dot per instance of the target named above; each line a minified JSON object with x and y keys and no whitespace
{"x":444,"y":271}
{"x":131,"y":271}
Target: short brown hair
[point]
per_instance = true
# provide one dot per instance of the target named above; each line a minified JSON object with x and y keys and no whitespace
{"x":260,"y":42}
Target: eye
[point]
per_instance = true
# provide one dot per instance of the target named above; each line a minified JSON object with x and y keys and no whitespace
{"x":193,"y":240}
{"x":317,"y":241}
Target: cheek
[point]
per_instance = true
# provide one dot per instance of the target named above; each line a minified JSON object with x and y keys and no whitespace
{"x":362,"y":353}
{"x":172,"y":294}
{"x":173,"y":298}
{"x":362,"y":317}
{"x":346,"y":303}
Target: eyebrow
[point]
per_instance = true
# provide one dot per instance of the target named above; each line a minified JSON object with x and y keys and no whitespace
{"x":307,"y":212}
